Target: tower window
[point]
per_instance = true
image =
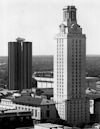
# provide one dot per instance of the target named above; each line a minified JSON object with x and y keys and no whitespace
{"x":79,"y":41}
{"x":48,"y":113}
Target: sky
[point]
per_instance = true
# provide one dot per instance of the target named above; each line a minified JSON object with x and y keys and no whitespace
{"x":38,"y":21}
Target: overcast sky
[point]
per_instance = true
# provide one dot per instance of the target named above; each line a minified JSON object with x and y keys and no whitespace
{"x":38,"y":21}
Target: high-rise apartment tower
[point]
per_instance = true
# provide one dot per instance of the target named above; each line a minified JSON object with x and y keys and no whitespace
{"x":69,"y":70}
{"x":20,"y":64}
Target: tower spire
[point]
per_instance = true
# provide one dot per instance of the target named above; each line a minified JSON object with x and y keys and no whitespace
{"x":69,"y":15}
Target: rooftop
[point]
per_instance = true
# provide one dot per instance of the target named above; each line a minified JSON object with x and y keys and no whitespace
{"x":48,"y":74}
{"x":92,"y":78}
{"x":14,"y":112}
{"x":49,"y":125}
{"x":44,"y":79}
{"x":32,"y":101}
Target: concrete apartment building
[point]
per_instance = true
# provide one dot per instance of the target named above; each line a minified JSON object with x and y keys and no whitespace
{"x":14,"y":65}
{"x":69,"y":70}
{"x":20,"y":64}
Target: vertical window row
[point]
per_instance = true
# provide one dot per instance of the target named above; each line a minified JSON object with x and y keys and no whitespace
{"x":76,"y":68}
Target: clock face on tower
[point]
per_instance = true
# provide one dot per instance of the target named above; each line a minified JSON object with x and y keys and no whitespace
{"x":75,"y":28}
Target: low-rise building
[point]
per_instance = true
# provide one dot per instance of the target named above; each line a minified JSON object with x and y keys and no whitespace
{"x":44,"y":79}
{"x":7,"y":104}
{"x":44,"y":82}
{"x":40,"y":108}
{"x":91,"y":82}
{"x":10,"y":119}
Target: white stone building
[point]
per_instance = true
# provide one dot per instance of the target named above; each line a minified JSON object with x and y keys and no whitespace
{"x":69,"y":70}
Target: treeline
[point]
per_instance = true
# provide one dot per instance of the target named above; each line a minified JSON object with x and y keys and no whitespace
{"x":93,"y":66}
{"x":45,"y":63}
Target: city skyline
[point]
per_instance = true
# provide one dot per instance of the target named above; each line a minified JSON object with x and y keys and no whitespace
{"x":66,"y":36}
{"x":38,"y":20}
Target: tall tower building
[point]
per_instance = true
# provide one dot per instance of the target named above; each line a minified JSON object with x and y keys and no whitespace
{"x":60,"y":72}
{"x":20,"y":64}
{"x":69,"y":70}
{"x":27,"y":65}
{"x":14,"y":65}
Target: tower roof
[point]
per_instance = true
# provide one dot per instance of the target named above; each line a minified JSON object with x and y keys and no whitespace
{"x":19,"y":39}
{"x":69,"y":15}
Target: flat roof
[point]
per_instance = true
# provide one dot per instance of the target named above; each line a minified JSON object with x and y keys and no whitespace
{"x":12,"y":113}
{"x":44,"y":79}
{"x":29,"y":100}
{"x":92,"y":78}
{"x":49,"y":125}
